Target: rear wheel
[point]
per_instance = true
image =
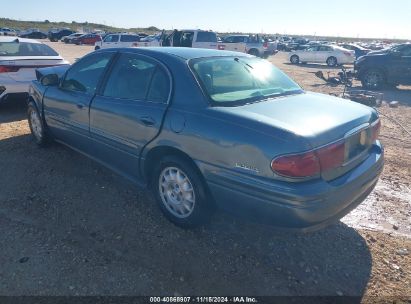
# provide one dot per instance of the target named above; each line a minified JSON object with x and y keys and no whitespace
{"x":254,"y":52}
{"x":180,"y":192}
{"x":331,"y":61}
{"x":373,"y":79}
{"x":96,"y":48}
{"x":37,"y":126}
{"x":294,"y":59}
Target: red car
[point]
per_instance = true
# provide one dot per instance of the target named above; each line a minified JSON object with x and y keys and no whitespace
{"x":87,"y":39}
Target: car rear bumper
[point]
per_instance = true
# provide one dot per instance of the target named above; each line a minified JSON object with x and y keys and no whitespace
{"x":303,"y":206}
{"x":9,"y":86}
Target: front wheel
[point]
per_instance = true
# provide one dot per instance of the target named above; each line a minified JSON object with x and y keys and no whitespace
{"x":254,"y":52}
{"x":294,"y":59}
{"x":180,"y":192}
{"x":373,"y":79}
{"x":37,"y":126}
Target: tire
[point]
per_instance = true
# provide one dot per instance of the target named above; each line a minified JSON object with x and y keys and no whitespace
{"x":174,"y":178}
{"x":332,"y":61}
{"x":254,"y":52}
{"x":37,"y":125}
{"x":96,"y":48}
{"x":373,"y":79}
{"x":294,"y":59}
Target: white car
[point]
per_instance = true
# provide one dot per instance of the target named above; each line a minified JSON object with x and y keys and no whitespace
{"x":19,"y":59}
{"x":117,"y":40}
{"x":330,"y":54}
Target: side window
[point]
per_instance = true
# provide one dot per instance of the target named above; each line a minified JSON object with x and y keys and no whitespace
{"x":187,"y":39}
{"x":229,"y":39}
{"x":160,"y":86}
{"x":85,"y":74}
{"x":111,"y":38}
{"x":129,"y":38}
{"x":130,"y":78}
{"x":406,"y":51}
{"x":325,"y":49}
{"x":206,"y":37}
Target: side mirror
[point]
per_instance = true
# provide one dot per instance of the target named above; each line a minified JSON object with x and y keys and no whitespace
{"x":49,"y":80}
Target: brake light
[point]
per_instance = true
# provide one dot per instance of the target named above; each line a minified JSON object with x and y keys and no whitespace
{"x":135,"y":44}
{"x":375,"y":130}
{"x":347,"y":54}
{"x":221,"y":47}
{"x":265,"y":45}
{"x":8,"y":68}
{"x":297,"y":165}
{"x":332,"y":156}
{"x":310,"y":163}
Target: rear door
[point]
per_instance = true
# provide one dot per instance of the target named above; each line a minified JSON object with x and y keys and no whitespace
{"x":66,"y":107}
{"x":323,"y":53}
{"x":110,"y":41}
{"x":128,"y":112}
{"x":128,"y":40}
{"x":205,"y":40}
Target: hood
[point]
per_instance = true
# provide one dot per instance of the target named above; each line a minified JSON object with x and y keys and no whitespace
{"x":319,"y":118}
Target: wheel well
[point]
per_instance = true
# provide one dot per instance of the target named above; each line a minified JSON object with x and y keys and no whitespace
{"x":254,"y":50}
{"x":157,"y":153}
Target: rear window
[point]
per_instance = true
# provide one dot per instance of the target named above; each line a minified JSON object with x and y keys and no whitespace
{"x":25,"y":49}
{"x":206,"y":37}
{"x":229,"y":81}
{"x":129,"y":38}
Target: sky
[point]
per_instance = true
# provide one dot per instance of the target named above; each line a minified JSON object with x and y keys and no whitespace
{"x":341,"y":18}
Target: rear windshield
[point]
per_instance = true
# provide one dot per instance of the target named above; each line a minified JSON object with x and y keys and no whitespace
{"x":25,"y":49}
{"x":206,"y":37}
{"x":229,"y":81}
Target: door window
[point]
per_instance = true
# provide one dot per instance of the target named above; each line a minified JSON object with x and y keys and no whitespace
{"x":85,"y":74}
{"x":324,"y":49}
{"x":129,"y":38}
{"x":206,"y":37}
{"x":137,"y":78}
{"x":187,"y":39}
{"x":111,"y":38}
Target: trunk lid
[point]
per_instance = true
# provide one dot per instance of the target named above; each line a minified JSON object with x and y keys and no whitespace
{"x":320,"y":120}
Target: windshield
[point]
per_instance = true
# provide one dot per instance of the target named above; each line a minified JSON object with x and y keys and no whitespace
{"x":15,"y":48}
{"x":238,"y":80}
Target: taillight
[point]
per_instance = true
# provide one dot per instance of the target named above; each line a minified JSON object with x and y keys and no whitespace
{"x":311,"y":163}
{"x":265,"y":45}
{"x":135,"y":44}
{"x":296,"y":165}
{"x":375,"y":130}
{"x":221,"y":47}
{"x":331,"y":156}
{"x":347,"y":54}
{"x":8,"y":68}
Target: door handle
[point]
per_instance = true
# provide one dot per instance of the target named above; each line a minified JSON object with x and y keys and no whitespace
{"x":148,"y":121}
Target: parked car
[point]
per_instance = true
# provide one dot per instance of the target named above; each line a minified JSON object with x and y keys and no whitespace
{"x":330,"y":54}
{"x":19,"y":58}
{"x":33,"y":34}
{"x":117,"y":40}
{"x":359,"y":50}
{"x":58,"y":34}
{"x":386,"y":67}
{"x":251,"y":44}
{"x":69,"y":38}
{"x":5,"y":31}
{"x":191,"y":38}
{"x":208,"y":127}
{"x":90,"y":39}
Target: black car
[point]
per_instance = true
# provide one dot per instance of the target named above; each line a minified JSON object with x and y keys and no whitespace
{"x":57,"y":35}
{"x":33,"y":35}
{"x":386,"y":67}
{"x":359,"y":50}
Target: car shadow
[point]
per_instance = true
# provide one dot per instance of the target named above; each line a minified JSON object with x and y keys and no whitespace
{"x":13,"y":110}
{"x":75,"y":220}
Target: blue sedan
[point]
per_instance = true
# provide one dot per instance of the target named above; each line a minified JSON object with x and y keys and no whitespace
{"x":208,"y":128}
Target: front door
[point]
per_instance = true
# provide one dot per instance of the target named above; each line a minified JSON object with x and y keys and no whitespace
{"x":66,"y":106}
{"x":128,"y":112}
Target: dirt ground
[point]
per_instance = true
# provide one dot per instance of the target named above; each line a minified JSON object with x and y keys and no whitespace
{"x":71,"y":227}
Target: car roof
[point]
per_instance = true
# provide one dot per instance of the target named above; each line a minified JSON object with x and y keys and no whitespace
{"x":13,"y":38}
{"x":184,"y":53}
